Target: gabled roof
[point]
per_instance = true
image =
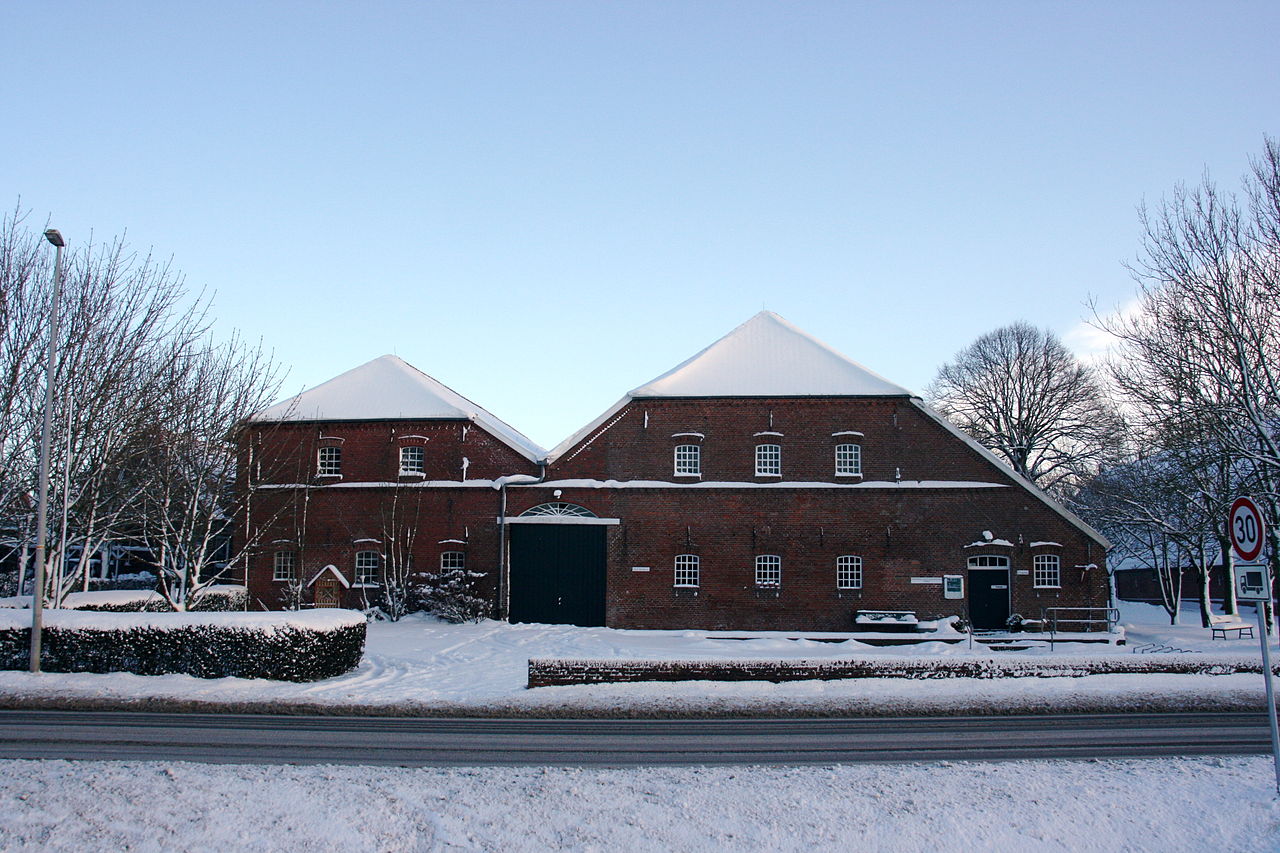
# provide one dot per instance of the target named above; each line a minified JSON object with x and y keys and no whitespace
{"x":764,"y":357}
{"x":388,"y":388}
{"x":333,"y":570}
{"x":768,"y":357}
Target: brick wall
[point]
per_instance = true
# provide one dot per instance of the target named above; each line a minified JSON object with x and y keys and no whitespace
{"x":900,"y":531}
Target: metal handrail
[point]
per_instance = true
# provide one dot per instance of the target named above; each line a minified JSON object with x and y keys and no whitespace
{"x":1052,"y":617}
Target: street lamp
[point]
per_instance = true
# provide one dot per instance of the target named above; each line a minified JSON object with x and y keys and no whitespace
{"x":42,"y":506}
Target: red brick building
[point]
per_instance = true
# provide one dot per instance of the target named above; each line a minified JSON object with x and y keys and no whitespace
{"x":767,"y":483}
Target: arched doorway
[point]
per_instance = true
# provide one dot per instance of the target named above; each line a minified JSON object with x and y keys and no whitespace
{"x":558,"y":559}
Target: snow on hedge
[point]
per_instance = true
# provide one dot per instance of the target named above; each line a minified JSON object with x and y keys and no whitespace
{"x":323,"y":619}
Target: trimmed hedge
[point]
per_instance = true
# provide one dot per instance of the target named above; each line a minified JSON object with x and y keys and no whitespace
{"x":279,"y":646}
{"x":212,"y":599}
{"x":549,"y":672}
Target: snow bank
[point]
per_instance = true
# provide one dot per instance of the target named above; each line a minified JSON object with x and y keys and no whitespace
{"x":1168,"y":805}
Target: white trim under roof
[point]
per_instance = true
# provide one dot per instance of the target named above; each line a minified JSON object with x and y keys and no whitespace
{"x":1061,"y":510}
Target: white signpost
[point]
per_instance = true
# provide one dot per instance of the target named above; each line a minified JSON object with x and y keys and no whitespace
{"x":1253,"y":583}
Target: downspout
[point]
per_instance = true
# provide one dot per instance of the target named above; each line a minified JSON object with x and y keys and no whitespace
{"x":504,"y":568}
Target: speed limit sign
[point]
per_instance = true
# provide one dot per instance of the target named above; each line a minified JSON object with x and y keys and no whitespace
{"x":1245,"y":522}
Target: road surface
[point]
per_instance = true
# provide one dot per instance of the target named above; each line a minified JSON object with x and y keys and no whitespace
{"x":267,"y":739}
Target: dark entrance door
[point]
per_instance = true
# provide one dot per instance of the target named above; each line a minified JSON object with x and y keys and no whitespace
{"x":557,"y":574}
{"x":989,"y":598}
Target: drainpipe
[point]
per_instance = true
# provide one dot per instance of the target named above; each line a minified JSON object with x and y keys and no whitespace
{"x":504,"y":569}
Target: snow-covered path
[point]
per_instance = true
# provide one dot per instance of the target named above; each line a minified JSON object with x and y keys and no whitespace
{"x":1167,"y":805}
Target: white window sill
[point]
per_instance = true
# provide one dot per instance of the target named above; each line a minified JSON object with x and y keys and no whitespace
{"x":845,"y":474}
{"x":1053,"y":586}
{"x":848,"y":588}
{"x":365,"y":585}
{"x":697,"y":476}
{"x":758,"y":474}
{"x":413,"y":474}
{"x":329,"y":476}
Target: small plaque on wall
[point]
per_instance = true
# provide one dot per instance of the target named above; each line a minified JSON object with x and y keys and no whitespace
{"x":639,"y":568}
{"x":953,"y":586}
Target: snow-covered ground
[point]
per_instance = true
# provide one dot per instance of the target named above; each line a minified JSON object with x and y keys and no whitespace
{"x":1168,"y":805}
{"x":421,"y":665}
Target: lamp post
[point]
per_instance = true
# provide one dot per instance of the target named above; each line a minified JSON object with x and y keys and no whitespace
{"x":42,"y":506}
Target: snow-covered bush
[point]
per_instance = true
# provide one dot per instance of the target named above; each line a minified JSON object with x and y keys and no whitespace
{"x":449,"y":595}
{"x":226,"y":598}
{"x":280,"y":646}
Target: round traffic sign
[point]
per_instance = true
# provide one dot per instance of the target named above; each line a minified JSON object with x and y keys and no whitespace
{"x":1246,"y":526}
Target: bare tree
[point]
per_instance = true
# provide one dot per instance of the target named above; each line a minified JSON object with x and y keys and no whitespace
{"x":1199,"y":363}
{"x":143,"y":400}
{"x":1019,"y":392}
{"x":191,"y":502}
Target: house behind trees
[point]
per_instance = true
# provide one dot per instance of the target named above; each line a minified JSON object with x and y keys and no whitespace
{"x":767,"y":483}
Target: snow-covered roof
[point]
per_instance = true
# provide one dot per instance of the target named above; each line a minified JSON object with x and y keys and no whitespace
{"x":768,"y":357}
{"x":764,"y":357}
{"x":389,"y":388}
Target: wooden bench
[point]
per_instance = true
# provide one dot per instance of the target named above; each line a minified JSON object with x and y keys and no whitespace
{"x":1222,"y":630}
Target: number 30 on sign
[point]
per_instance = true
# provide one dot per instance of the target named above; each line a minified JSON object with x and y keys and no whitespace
{"x":1246,"y":529}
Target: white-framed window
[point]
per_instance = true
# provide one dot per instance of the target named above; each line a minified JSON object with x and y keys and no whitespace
{"x":848,"y":460}
{"x":848,"y":572}
{"x":768,"y":570}
{"x":453,"y":561}
{"x":1046,"y":570}
{"x":413,"y":459}
{"x":367,"y":565}
{"x":688,"y":460}
{"x":687,"y":570}
{"x":285,"y":566}
{"x":329,"y":462}
{"x":768,"y":460}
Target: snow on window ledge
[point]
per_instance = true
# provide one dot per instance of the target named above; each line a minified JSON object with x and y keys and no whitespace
{"x":329,"y":476}
{"x":760,"y":474}
{"x":689,"y":474}
{"x":848,"y":474}
{"x":404,"y":473}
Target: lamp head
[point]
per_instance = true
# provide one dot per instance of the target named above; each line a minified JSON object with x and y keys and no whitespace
{"x":54,"y":237}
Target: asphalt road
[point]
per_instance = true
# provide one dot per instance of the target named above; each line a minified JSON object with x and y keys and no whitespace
{"x":265,"y":739}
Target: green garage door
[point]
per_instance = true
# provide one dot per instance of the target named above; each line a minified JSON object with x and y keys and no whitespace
{"x":557,"y":574}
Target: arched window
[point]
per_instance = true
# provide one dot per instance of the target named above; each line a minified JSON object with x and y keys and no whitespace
{"x":688,"y":460}
{"x":560,"y":508}
{"x":1047,"y":571}
{"x":768,"y":570}
{"x":848,"y":572}
{"x":285,"y":567}
{"x":768,"y":460}
{"x":848,"y":460}
{"x":687,"y":570}
{"x":367,"y":565}
{"x":413,"y":459}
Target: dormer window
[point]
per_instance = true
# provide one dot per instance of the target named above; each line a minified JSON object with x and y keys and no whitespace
{"x":329,"y":462}
{"x":768,"y":460}
{"x":412,"y":460}
{"x":849,"y":460}
{"x":688,"y":460}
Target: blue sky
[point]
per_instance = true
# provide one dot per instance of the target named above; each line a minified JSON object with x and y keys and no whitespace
{"x":545,"y":204}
